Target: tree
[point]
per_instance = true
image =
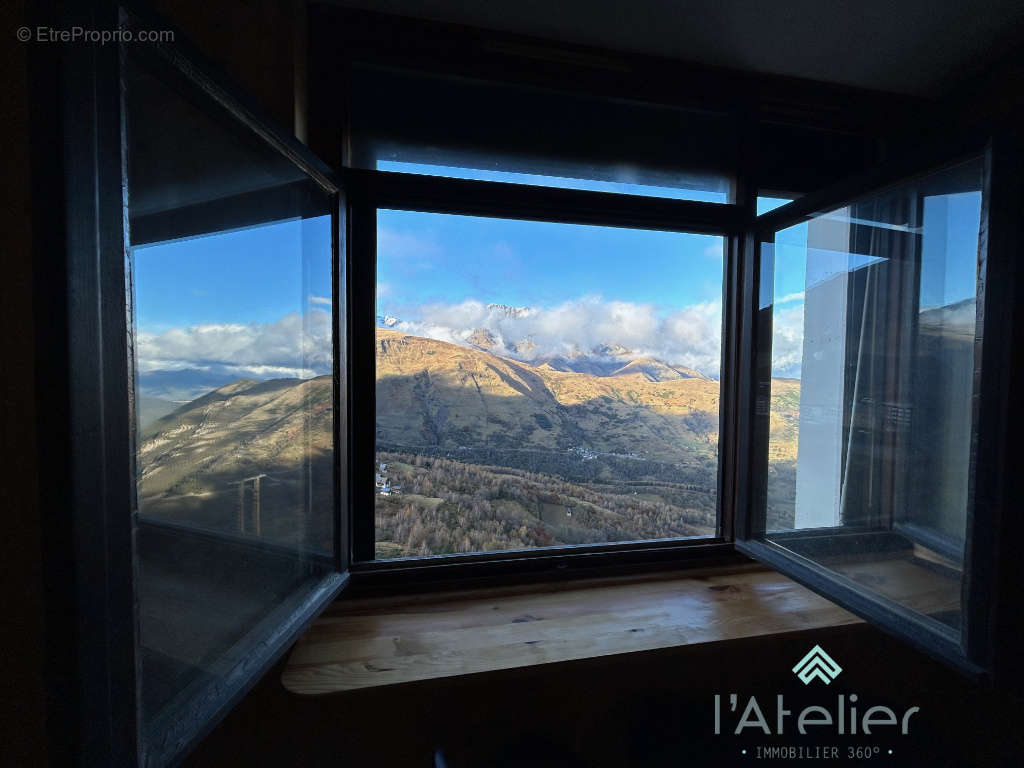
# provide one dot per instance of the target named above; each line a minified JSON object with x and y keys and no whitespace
{"x":700,"y":423}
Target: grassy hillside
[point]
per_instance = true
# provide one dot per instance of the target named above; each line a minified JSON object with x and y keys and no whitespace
{"x":430,"y":393}
{"x":192,"y":461}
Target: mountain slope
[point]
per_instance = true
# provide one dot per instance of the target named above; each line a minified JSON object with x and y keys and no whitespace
{"x":436,"y":396}
{"x":235,"y":431}
{"x":431,"y":393}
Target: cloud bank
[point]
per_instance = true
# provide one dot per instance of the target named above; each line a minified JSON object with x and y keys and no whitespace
{"x":294,"y":346}
{"x":299,"y":345}
{"x":589,"y":325}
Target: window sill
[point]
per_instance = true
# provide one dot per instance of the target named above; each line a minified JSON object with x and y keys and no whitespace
{"x":386,"y":641}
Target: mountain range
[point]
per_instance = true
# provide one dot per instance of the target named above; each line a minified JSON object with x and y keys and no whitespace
{"x":439,"y":395}
{"x":600,"y":360}
{"x":643,"y":420}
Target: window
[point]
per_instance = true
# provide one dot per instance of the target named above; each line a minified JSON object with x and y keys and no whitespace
{"x":235,"y":443}
{"x":617,"y":181}
{"x":231,"y":331}
{"x":274,"y":371}
{"x":543,"y":384}
{"x":875,"y":353}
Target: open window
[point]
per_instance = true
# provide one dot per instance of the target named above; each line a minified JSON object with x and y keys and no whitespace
{"x":875,"y":392}
{"x":232,"y":432}
{"x":209,"y":369}
{"x":234,"y":309}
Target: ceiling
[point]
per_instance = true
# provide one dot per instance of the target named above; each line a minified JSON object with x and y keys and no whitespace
{"x":921,"y":47}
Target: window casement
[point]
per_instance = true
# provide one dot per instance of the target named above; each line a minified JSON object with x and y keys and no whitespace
{"x":522,"y":214}
{"x":224,"y":434}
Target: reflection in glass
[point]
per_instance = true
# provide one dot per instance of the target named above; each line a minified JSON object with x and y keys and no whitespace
{"x":873,"y":357}
{"x":230,"y":288}
{"x":542,"y":174}
{"x":765,"y":204}
{"x":543,"y":384}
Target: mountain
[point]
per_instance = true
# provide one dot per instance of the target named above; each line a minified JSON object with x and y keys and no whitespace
{"x":483,"y":339}
{"x":598,"y":360}
{"x":953,"y":320}
{"x":435,"y":394}
{"x":149,"y":409}
{"x":191,"y":461}
{"x":239,"y":428}
{"x":633,"y":452}
{"x":182,"y":385}
{"x":506,"y":310}
{"x":655,"y":370}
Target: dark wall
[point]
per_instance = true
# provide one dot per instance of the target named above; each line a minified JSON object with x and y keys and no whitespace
{"x":647,"y":709}
{"x":21,"y":638}
{"x":259,"y":44}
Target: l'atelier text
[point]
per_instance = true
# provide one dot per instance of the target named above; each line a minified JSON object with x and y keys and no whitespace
{"x":845,"y":719}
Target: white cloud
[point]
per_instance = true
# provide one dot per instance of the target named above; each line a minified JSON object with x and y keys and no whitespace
{"x":294,"y":345}
{"x":326,"y":300}
{"x":715,"y":251}
{"x":691,"y":336}
{"x":788,"y":341}
{"x":798,"y":296}
{"x":300,"y":346}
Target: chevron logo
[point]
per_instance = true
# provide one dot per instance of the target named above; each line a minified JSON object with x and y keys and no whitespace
{"x":817,"y":664}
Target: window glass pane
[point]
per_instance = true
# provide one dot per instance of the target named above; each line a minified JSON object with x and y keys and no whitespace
{"x":461,"y":128}
{"x":711,"y":191}
{"x":765,"y":204}
{"x":231,"y":292}
{"x":543,"y":384}
{"x":873,"y":363}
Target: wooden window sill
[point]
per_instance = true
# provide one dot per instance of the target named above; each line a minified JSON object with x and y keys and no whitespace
{"x":377,"y":642}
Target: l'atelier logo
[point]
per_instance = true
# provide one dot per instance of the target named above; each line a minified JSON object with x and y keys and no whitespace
{"x":847,"y":716}
{"x":817,"y":664}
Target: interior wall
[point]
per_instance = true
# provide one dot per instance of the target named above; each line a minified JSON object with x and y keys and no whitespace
{"x":21,"y":631}
{"x":260,"y":46}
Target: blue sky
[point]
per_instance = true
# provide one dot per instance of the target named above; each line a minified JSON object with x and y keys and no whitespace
{"x":654,"y":293}
{"x":424,"y":258}
{"x":251,"y":275}
{"x":564,"y":182}
{"x":949,"y":266}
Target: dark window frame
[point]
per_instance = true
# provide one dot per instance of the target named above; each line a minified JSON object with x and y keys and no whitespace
{"x":94,"y":673}
{"x":346,"y":41}
{"x":371,"y":190}
{"x":981,"y":651}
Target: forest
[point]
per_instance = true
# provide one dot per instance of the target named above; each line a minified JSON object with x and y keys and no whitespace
{"x":446,"y":505}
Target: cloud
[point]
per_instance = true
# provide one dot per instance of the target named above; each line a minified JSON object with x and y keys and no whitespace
{"x":326,"y":300}
{"x":294,"y":346}
{"x":798,"y":296}
{"x":300,"y":346}
{"x":690,"y":336}
{"x":715,"y":251}
{"x":787,"y":341}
